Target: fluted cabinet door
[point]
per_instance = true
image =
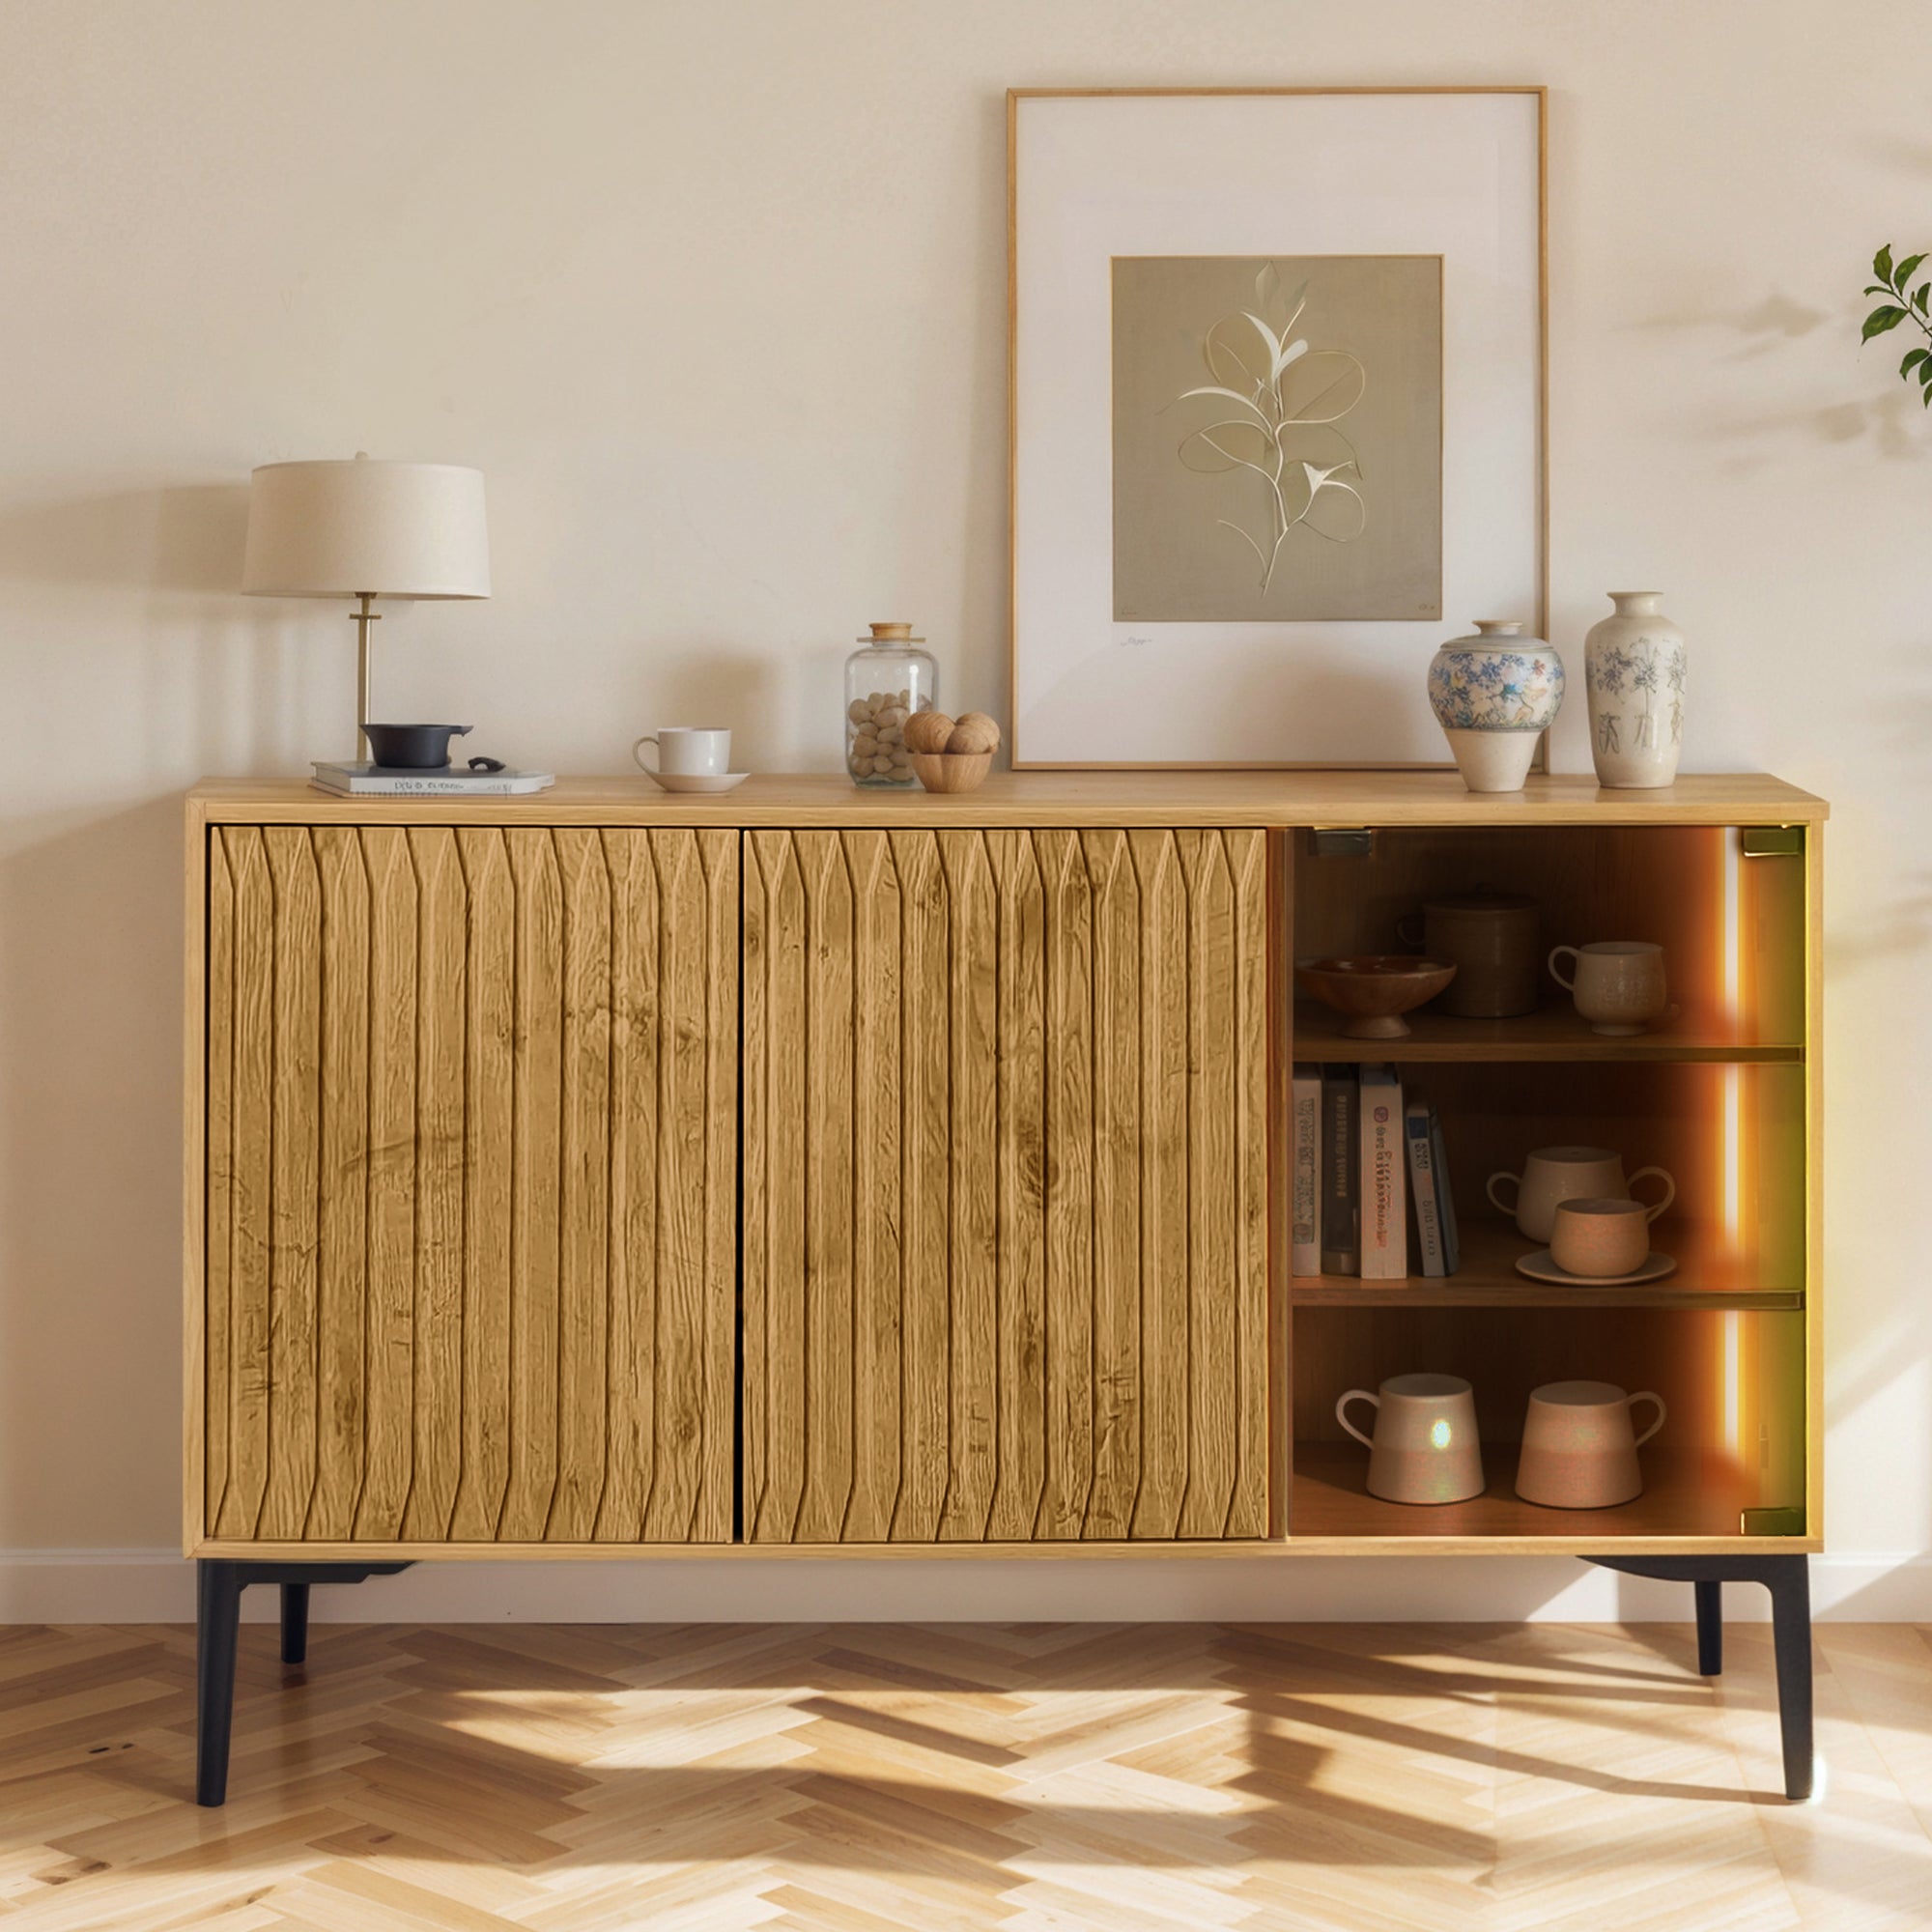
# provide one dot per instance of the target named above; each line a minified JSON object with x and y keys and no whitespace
{"x":471,"y":1140}
{"x":1006,"y":1179}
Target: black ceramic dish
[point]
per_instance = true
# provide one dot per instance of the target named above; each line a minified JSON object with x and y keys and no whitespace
{"x":412,"y":747}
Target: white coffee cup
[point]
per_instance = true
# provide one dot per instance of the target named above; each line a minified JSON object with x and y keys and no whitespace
{"x":687,"y":750}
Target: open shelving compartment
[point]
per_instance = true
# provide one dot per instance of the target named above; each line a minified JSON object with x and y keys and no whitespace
{"x":1719,"y":1096}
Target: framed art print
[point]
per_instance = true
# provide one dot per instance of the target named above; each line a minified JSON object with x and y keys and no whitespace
{"x":1277,"y":415}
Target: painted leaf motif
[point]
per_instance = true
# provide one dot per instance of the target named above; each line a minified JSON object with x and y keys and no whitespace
{"x":1234,"y":396}
{"x":1268,"y":287}
{"x":1268,"y":335}
{"x":1329,"y":384}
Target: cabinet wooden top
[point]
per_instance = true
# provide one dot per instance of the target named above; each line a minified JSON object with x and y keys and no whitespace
{"x":1047,"y":798}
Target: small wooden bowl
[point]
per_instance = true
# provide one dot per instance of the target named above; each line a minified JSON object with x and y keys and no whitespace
{"x":950,"y":771}
{"x":1372,"y":994}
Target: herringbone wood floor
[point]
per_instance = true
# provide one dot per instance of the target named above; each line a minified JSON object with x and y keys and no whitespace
{"x":1043,"y":1777}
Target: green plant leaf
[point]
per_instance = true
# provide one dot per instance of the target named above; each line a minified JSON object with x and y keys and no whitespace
{"x":1882,"y":319}
{"x":1919,"y":296}
{"x":1925,"y":370}
{"x":1882,"y":264}
{"x":1913,"y":360}
{"x":1902,"y":274}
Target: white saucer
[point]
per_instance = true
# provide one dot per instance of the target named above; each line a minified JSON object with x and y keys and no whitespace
{"x":705,"y":781}
{"x":1539,"y":1266}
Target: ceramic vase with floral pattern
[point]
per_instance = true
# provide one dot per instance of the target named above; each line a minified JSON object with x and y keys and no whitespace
{"x":1634,"y":667}
{"x":1494,"y":695}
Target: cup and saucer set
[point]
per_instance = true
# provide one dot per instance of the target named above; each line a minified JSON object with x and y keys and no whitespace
{"x":690,"y":758}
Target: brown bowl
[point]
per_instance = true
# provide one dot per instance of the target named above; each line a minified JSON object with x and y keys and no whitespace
{"x":1372,"y":993}
{"x":952,"y":771}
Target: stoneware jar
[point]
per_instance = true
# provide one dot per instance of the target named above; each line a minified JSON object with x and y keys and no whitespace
{"x":1424,"y":1448}
{"x":1578,"y":1451}
{"x":1494,"y":695}
{"x":1634,"y":667}
{"x":1491,"y":940}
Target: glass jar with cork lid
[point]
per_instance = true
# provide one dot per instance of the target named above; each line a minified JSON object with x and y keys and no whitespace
{"x":887,"y":679}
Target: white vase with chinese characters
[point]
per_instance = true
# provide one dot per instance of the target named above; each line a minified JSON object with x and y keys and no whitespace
{"x":1633,"y":670}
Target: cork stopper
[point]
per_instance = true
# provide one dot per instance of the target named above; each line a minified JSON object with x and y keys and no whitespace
{"x":892,"y":633}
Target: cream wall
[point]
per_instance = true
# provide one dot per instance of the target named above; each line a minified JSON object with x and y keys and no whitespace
{"x":714,"y":293}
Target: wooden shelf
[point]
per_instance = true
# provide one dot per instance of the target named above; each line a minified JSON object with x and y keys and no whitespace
{"x":1706,"y":1278}
{"x":1691,"y":1493}
{"x":1552,"y":1033}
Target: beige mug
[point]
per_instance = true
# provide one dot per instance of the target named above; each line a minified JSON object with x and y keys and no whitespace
{"x":1556,"y":1174}
{"x":1618,"y":985}
{"x":1424,"y":1448}
{"x":1601,"y":1238}
{"x":1578,"y":1449}
{"x":687,"y":750}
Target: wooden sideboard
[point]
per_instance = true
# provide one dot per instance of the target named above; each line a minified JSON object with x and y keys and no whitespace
{"x":810,"y":1170}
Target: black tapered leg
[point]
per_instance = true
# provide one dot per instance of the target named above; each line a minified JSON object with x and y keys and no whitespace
{"x":295,"y":1623}
{"x":1790,"y":1588}
{"x":218,"y":1624}
{"x":1710,"y":1594}
{"x":1788,"y":1579}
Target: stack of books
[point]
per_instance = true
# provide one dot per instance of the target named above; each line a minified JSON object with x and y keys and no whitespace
{"x":367,"y":780}
{"x":1368,"y":1172}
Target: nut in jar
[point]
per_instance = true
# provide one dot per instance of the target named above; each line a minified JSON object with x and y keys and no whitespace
{"x":876,"y":746}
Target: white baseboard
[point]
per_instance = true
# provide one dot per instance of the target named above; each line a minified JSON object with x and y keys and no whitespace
{"x":114,"y":1586}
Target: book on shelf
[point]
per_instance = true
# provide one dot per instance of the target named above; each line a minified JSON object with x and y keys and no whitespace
{"x":1305,"y":1169}
{"x":362,"y":780}
{"x":1429,"y":1186}
{"x":1384,"y":1187}
{"x":1341,"y":1173}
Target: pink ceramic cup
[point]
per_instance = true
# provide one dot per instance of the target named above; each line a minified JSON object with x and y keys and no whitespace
{"x":1600,"y":1237}
{"x":1424,"y":1448}
{"x":1579,"y":1450}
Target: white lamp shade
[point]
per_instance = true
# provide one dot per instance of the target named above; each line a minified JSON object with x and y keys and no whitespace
{"x":336,"y":529}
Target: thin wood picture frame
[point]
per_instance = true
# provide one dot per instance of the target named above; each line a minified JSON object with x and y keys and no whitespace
{"x":1058,"y":644}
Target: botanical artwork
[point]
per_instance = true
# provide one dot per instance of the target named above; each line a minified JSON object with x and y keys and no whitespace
{"x":1277,"y":438}
{"x":1645,"y":679}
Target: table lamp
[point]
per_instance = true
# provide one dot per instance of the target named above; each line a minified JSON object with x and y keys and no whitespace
{"x":366,"y":530}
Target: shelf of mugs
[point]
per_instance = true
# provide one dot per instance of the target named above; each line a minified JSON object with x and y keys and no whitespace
{"x":1687,"y":1492}
{"x":1553,"y":1032}
{"x":1707,"y":1276}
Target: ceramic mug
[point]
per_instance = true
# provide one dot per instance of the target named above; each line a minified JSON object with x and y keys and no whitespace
{"x":1424,"y":1448}
{"x":1599,"y":1238}
{"x":1490,"y":939}
{"x":688,"y":750}
{"x":1556,"y":1174}
{"x":1618,"y":985}
{"x":1578,"y":1451}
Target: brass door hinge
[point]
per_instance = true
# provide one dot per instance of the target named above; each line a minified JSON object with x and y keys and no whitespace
{"x":1340,"y":842}
{"x":1788,"y":1521}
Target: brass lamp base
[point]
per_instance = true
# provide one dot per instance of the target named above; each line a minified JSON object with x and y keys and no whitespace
{"x":362,"y":619}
